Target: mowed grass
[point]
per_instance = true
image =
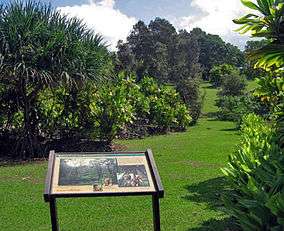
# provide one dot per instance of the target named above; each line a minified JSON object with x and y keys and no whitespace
{"x":189,"y":164}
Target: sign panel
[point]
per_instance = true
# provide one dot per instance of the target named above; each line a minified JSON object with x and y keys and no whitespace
{"x":101,"y":173}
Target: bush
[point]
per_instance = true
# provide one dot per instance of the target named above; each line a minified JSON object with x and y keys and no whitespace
{"x":166,"y":109}
{"x":255,"y":173}
{"x":112,"y":108}
{"x":233,"y":84}
{"x":189,"y":90}
{"x":218,"y":72}
{"x":234,"y":108}
{"x":116,"y":107}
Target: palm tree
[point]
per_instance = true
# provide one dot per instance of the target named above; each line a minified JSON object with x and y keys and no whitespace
{"x":40,"y":48}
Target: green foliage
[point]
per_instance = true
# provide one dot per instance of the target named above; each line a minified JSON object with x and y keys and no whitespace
{"x":112,"y":108}
{"x":249,"y":69}
{"x":218,"y":73}
{"x":214,"y":51}
{"x":104,"y":111}
{"x":234,"y":108}
{"x":256,"y":170}
{"x":255,"y":173}
{"x":167,"y":111}
{"x":40,"y":48}
{"x":190,"y":92}
{"x":271,"y":90}
{"x":267,"y":23}
{"x":157,"y":50}
{"x":233,"y":84}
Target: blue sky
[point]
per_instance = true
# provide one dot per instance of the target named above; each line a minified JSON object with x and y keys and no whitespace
{"x":115,"y":18}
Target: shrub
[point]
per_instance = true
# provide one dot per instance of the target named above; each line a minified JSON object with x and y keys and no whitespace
{"x":105,"y":111}
{"x":233,"y":84}
{"x":112,"y":108}
{"x":218,"y":72}
{"x":167,"y":110}
{"x":190,"y":93}
{"x":234,"y":108}
{"x":255,"y":173}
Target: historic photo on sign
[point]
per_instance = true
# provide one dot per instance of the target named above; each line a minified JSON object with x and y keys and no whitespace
{"x":87,"y":171}
{"x":132,"y":176}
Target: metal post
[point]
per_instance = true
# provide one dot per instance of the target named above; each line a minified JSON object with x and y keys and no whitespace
{"x":53,"y":215}
{"x":156,"y":212}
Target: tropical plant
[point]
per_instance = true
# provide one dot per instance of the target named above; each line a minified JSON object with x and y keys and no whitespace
{"x":268,"y":22}
{"x":112,"y":108}
{"x":40,"y":48}
{"x":255,"y":173}
{"x":256,"y":170}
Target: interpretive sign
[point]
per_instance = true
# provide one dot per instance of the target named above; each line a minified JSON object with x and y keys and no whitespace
{"x":102,"y":174}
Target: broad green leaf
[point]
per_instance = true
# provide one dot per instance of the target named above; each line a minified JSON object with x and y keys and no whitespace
{"x":250,"y":4}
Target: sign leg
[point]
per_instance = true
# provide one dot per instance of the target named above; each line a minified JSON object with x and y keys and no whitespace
{"x":156,"y":212}
{"x":53,"y":215}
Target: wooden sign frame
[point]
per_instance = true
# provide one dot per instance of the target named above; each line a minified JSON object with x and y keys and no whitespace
{"x":158,"y":191}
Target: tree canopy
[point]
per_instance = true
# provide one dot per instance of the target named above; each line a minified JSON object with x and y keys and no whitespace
{"x":40,"y":48}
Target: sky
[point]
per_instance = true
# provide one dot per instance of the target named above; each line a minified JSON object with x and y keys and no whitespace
{"x":114,"y":19}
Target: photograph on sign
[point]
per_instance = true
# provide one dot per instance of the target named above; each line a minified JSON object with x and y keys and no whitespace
{"x":101,"y":173}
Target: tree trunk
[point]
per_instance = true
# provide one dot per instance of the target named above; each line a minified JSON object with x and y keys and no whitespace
{"x":29,"y":143}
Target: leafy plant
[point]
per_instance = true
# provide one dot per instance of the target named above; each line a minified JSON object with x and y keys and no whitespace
{"x":112,"y":108}
{"x":40,"y":48}
{"x":255,"y":173}
{"x":167,"y":110}
{"x":256,"y":170}
{"x":233,"y":84}
{"x":234,"y":108}
{"x":267,"y":22}
{"x":218,"y":73}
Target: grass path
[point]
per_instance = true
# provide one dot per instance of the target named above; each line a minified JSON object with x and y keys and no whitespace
{"x":189,"y":164}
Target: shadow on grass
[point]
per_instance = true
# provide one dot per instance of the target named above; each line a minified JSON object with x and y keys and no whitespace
{"x":209,"y":86}
{"x":235,"y":129}
{"x":210,"y":192}
{"x":212,"y":115}
{"x":226,"y":224}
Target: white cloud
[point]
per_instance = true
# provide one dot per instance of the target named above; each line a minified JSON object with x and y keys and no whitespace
{"x":216,"y":18}
{"x":103,"y":18}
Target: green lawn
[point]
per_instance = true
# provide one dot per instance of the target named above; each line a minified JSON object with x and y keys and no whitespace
{"x":189,"y":164}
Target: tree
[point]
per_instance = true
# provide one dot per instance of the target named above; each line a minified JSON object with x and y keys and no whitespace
{"x":214,"y":51}
{"x":39,"y":48}
{"x":186,"y":73}
{"x":219,"y":72}
{"x":249,"y":69}
{"x":169,"y":57}
{"x":126,"y":57}
{"x":233,"y":84}
{"x":141,"y":44}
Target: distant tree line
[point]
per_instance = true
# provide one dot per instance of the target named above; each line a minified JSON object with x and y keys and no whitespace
{"x":180,"y":58}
